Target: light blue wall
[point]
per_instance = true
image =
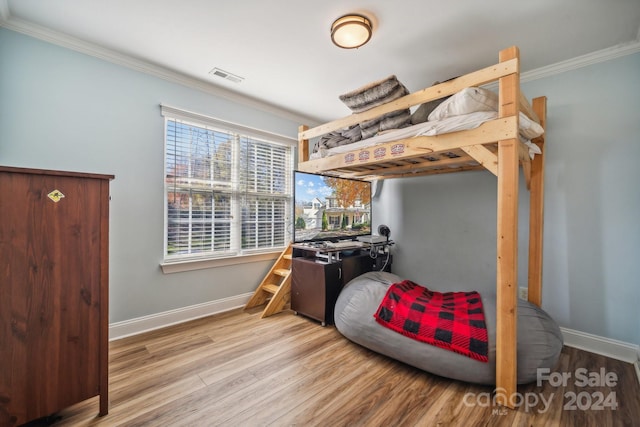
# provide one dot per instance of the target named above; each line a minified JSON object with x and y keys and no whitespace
{"x":445,"y":225}
{"x":64,"y":110}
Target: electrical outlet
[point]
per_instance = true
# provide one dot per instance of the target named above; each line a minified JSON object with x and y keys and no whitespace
{"x":523,"y":293}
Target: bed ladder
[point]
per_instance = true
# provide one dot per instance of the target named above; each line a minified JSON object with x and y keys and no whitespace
{"x":275,"y":288}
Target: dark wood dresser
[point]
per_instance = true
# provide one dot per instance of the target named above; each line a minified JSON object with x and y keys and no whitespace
{"x":54,"y":292}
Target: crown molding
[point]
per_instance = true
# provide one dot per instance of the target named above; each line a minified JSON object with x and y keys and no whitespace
{"x":582,"y":61}
{"x":92,"y":49}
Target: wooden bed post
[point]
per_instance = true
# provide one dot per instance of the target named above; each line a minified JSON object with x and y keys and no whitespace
{"x":303,"y":145}
{"x":536,"y":208}
{"x":507,"y":245}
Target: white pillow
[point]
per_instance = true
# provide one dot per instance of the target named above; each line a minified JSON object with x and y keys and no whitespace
{"x":469,"y":100}
{"x":528,"y":128}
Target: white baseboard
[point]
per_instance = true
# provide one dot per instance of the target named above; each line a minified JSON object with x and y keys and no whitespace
{"x":608,"y":347}
{"x":139,"y":325}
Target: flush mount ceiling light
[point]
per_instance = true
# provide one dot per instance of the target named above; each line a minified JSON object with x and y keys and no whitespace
{"x":351,"y":31}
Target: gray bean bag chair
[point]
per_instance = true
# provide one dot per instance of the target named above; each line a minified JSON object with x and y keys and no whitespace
{"x":539,"y":337}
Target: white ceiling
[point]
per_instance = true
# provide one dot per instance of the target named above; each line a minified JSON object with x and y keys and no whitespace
{"x":283,"y":51}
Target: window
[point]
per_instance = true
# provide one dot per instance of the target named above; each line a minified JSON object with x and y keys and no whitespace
{"x":228,"y":188}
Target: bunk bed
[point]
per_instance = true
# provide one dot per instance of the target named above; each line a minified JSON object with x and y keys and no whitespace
{"x":494,"y":146}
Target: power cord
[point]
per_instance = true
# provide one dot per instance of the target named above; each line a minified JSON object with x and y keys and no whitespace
{"x":386,"y":261}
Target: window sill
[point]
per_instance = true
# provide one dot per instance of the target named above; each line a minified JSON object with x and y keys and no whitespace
{"x":199,"y":264}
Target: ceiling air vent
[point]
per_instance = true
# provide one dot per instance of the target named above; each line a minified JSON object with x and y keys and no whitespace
{"x":226,"y":75}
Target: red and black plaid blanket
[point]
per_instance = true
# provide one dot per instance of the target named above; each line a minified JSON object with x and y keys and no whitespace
{"x":450,"y":320}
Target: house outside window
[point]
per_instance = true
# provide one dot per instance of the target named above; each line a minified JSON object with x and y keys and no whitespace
{"x":228,"y":189}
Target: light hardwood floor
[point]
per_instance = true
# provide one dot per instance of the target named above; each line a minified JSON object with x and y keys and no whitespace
{"x":235,"y":369}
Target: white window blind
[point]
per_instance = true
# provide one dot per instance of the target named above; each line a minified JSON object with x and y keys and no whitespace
{"x":228,"y":192}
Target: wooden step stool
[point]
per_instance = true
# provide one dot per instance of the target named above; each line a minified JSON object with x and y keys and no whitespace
{"x":275,"y":288}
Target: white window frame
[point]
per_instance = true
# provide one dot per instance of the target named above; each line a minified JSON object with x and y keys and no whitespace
{"x":236,"y":255}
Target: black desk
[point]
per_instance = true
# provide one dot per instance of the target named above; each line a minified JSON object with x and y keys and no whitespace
{"x":319,"y":273}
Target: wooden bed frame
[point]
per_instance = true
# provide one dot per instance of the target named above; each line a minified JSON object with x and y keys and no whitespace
{"x":493,"y":146}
